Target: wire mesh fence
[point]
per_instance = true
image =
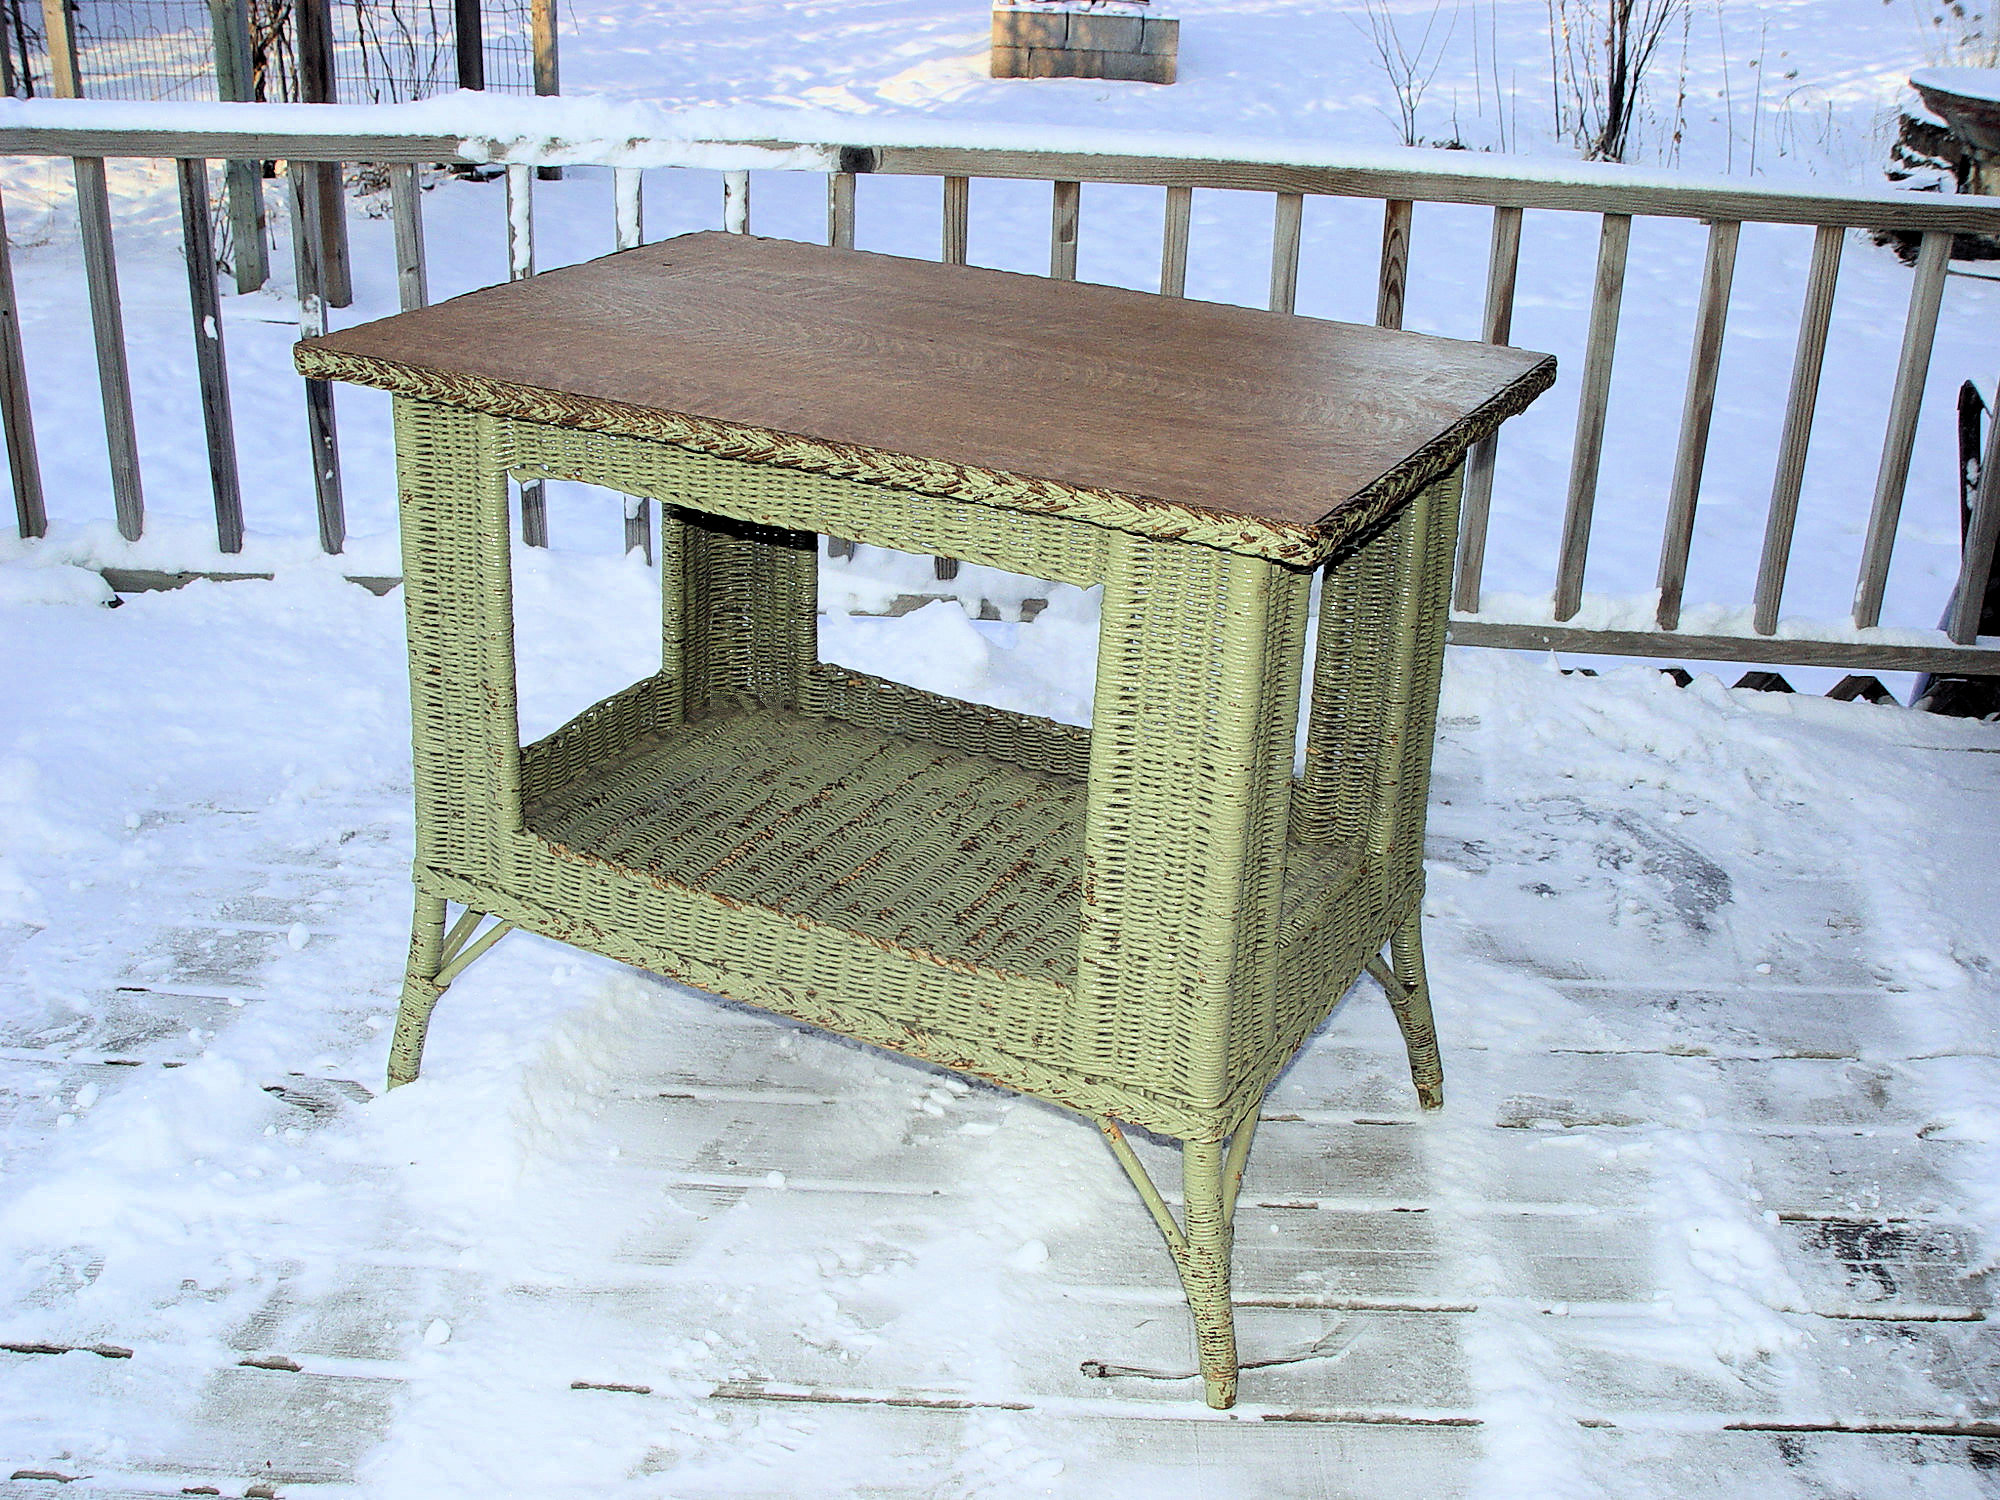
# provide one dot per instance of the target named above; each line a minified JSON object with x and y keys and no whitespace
{"x":384,"y":51}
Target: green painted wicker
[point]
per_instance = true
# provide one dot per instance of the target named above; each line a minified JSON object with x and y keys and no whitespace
{"x":1141,"y":921}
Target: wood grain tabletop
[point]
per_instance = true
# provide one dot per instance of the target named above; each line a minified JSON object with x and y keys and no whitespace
{"x":1203,"y":406}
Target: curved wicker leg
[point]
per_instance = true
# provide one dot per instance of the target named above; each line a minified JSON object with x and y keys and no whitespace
{"x":437,"y":958}
{"x":1210,"y":1174}
{"x":1204,"y":1267}
{"x":1410,"y":998}
{"x":420,"y":990}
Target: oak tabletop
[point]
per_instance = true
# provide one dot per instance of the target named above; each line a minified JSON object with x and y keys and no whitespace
{"x":1203,"y":407}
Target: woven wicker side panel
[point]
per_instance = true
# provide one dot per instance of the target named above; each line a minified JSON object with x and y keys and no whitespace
{"x":1375,"y":683}
{"x":821,"y":975}
{"x":1322,"y":960}
{"x":1197,"y":694}
{"x":972,"y":728}
{"x":603,"y":732}
{"x":738,"y":603}
{"x":1434,"y":528}
{"x":457,"y":590}
{"x":1054,"y":547}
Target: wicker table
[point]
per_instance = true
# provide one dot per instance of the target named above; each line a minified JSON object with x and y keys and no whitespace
{"x":1141,"y":921}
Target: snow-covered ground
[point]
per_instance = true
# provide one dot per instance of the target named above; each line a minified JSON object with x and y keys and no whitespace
{"x":1712,"y":1208}
{"x":1715,"y":972}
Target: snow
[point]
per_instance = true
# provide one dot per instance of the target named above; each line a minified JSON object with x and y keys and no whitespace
{"x":1689,"y":1025}
{"x":1715,"y":970}
{"x":604,"y":132}
{"x":1966,"y":83}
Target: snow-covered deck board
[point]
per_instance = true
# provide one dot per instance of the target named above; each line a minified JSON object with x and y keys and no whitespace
{"x":1707,"y":1210}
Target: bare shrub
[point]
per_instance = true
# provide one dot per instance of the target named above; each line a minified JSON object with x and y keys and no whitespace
{"x":1410,"y":68}
{"x":1958,"y":34}
{"x":1599,"y":54}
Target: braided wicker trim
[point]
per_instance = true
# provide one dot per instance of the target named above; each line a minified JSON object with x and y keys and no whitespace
{"x":1297,"y":546}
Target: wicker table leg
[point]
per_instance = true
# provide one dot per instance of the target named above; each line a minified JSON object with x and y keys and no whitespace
{"x":420,"y":990}
{"x":1198,"y":672}
{"x":1410,"y":998}
{"x":1211,"y":1236}
{"x":437,"y":958}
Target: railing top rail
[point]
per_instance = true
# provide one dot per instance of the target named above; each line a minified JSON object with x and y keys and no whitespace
{"x":619,"y":133}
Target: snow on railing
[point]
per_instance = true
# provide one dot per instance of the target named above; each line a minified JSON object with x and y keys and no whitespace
{"x":523,"y":134}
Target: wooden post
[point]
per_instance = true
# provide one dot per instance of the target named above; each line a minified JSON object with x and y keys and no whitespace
{"x":212,"y":369}
{"x":1704,"y":366}
{"x":548,"y":76}
{"x":1062,"y":229}
{"x":520,"y":266}
{"x":471,"y":41}
{"x":840,"y":210}
{"x":1982,"y":536}
{"x":100,"y":270}
{"x":320,"y":434}
{"x":1395,"y":263}
{"x":957,"y":220}
{"x":314,"y":20}
{"x":1174,"y":242}
{"x":1286,"y":223}
{"x":23,"y":463}
{"x":1606,"y":297}
{"x":59,"y":29}
{"x":9,"y":83}
{"x":628,"y":188}
{"x":1503,"y":265}
{"x":107,"y":325}
{"x":243,"y":181}
{"x":1807,"y":362}
{"x":406,"y":213}
{"x":1919,"y":332}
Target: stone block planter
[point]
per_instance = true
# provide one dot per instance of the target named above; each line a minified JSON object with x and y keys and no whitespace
{"x":1116,"y":39}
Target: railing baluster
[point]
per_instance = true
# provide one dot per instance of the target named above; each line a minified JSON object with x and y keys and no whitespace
{"x":628,"y":197}
{"x":1779,"y":521}
{"x":100,"y":270}
{"x":1981,"y":538}
{"x":957,"y":227}
{"x":23,"y":462}
{"x":1174,"y":242}
{"x":249,"y":254}
{"x":1394,"y":278}
{"x":1503,"y":264}
{"x":957,"y":220}
{"x":629,"y":210}
{"x":1704,"y":364}
{"x":1287,"y":221}
{"x":406,"y":213}
{"x":1919,"y":332}
{"x":312,"y":35}
{"x":520,"y":266}
{"x":520,"y":222}
{"x":639,"y":526}
{"x":321,"y":437}
{"x":736,"y":202}
{"x":243,"y":181}
{"x":840,"y":210}
{"x":211,"y":366}
{"x":107,"y":326}
{"x":1608,"y":292}
{"x":1064,"y":206}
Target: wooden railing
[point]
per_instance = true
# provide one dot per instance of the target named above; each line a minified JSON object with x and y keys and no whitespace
{"x":1614,"y":196}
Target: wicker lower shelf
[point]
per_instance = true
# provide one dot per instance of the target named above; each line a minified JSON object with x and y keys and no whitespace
{"x":905,"y":842}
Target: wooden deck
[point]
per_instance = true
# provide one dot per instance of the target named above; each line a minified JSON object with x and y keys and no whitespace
{"x":1689,"y":1234}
